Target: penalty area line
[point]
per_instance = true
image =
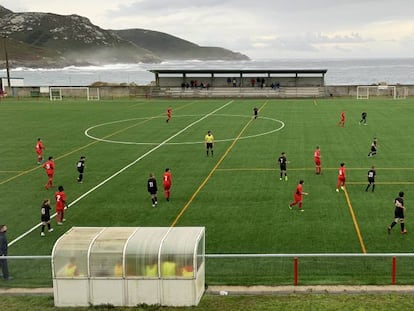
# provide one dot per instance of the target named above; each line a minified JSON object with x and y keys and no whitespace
{"x":122,"y":170}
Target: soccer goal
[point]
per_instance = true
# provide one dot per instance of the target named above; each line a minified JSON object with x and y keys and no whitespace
{"x":387,"y":91}
{"x":81,"y":92}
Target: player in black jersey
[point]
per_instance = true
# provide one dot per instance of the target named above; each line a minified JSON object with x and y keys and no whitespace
{"x":371,"y":179}
{"x":152,"y":189}
{"x":283,"y":163}
{"x":363,"y":118}
{"x":80,"y":166}
{"x":45,"y":216}
{"x":398,"y":213}
{"x":374,"y":146}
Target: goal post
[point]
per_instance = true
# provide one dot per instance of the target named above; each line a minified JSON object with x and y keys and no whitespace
{"x":401,"y":92}
{"x":386,"y":91}
{"x":55,"y":94}
{"x":80,"y":92}
{"x":362,"y":92}
{"x":93,"y":93}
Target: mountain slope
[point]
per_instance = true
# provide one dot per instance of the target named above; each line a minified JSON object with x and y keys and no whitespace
{"x":52,"y":40}
{"x":170,"y":47}
{"x":73,"y":38}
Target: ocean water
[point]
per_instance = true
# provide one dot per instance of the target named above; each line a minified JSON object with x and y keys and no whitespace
{"x":340,"y":71}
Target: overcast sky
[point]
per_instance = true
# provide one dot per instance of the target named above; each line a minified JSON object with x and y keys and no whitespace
{"x":259,"y":29}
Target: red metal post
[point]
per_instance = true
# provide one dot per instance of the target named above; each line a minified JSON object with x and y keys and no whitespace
{"x":295,"y":271}
{"x":393,"y":270}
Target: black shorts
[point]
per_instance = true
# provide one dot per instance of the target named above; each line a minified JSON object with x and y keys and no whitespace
{"x":371,"y":180}
{"x":209,"y":145}
{"x":283,"y":167}
{"x":399,"y":213}
{"x":44,"y":218}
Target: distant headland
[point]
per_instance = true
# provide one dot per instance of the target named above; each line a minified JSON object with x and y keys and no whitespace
{"x":46,"y":40}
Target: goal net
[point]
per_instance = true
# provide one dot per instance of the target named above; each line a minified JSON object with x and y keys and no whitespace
{"x":81,"y":92}
{"x":386,"y":91}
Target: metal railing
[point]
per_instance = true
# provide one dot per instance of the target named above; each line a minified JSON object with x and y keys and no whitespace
{"x":265,"y":269}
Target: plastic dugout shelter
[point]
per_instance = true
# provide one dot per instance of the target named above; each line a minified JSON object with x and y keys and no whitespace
{"x":128,"y":266}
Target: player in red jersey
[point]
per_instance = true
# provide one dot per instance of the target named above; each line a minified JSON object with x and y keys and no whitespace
{"x":298,"y":196}
{"x":169,"y":114}
{"x":167,"y":182}
{"x":39,"y":150}
{"x":317,"y":160}
{"x":60,"y":197}
{"x":49,"y":166}
{"x":341,"y":177}
{"x":342,"y":122}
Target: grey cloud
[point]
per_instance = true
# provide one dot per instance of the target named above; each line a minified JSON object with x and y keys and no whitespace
{"x":293,"y":26}
{"x":161,"y":7}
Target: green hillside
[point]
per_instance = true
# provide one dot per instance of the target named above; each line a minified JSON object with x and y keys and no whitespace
{"x":52,"y":40}
{"x":170,"y":47}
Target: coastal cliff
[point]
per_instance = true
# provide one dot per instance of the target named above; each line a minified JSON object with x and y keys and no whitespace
{"x":45,"y":40}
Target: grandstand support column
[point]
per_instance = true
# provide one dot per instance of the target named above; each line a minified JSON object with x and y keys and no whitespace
{"x":157,"y":79}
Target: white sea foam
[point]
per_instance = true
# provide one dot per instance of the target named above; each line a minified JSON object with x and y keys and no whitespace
{"x":340,"y":71}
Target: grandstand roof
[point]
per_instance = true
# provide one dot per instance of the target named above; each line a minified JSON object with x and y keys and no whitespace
{"x":163,"y":77}
{"x":239,"y":71}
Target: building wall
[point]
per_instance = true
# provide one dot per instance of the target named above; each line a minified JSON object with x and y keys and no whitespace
{"x":114,"y":92}
{"x":13,"y":82}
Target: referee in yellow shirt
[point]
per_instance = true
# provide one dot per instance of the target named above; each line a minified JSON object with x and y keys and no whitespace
{"x":209,"y":140}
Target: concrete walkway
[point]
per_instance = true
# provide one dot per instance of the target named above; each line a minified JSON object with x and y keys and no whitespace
{"x":260,"y":290}
{"x":26,"y":291}
{"x":315,"y":289}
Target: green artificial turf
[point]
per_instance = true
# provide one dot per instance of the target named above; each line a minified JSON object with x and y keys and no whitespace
{"x":236,"y":195}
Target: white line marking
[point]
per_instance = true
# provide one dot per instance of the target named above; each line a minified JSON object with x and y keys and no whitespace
{"x":282,"y":125}
{"x":123,"y":169}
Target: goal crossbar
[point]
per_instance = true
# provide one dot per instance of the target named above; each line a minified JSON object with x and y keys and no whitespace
{"x":393,"y":91}
{"x":59,"y":93}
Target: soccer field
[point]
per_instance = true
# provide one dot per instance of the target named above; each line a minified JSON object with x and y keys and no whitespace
{"x":236,"y":195}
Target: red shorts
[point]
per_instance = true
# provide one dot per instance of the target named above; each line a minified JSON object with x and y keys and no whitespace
{"x":39,"y":152}
{"x":167,"y":186}
{"x":341,"y":180}
{"x":317,"y":161}
{"x":297,"y":198}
